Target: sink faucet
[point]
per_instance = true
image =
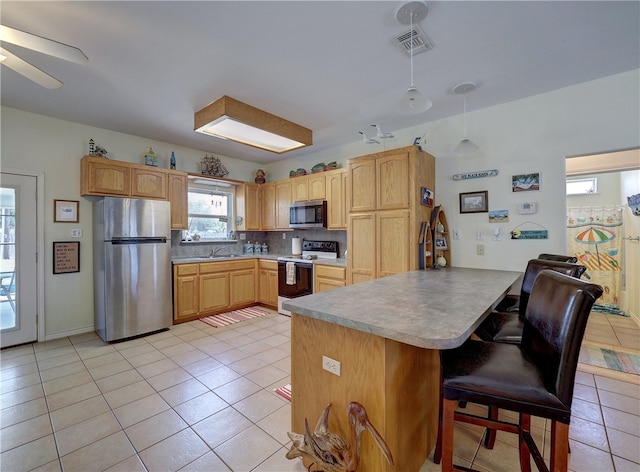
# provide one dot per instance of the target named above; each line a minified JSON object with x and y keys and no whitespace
{"x":215,"y":251}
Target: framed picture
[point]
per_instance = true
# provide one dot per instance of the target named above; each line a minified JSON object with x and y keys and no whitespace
{"x":441,"y":243}
{"x":426,"y":197}
{"x":65,"y":211}
{"x":66,"y":257}
{"x":474,"y":202}
{"x":525,"y":182}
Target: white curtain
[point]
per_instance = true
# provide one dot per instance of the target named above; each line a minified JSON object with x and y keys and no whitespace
{"x":594,"y":236}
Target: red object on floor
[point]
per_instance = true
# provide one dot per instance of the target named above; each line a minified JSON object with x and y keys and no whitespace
{"x":284,"y":392}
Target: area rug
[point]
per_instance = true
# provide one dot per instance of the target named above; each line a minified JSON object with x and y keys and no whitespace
{"x":230,"y":317}
{"x":609,"y":359}
{"x":284,"y":392}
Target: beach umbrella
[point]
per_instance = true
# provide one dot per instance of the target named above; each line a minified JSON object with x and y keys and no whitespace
{"x":595,"y":235}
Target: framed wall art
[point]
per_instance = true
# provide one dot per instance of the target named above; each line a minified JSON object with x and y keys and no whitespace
{"x":66,"y":257}
{"x":65,"y":211}
{"x":441,"y":243}
{"x":474,"y":202}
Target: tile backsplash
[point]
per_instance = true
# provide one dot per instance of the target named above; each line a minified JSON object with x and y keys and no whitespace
{"x":274,"y":240}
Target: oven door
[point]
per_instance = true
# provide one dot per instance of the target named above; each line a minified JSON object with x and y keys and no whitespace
{"x":298,"y":286}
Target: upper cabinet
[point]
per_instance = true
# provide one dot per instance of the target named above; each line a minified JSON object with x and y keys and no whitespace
{"x":308,"y":187}
{"x":379,"y":181}
{"x":336,"y":191}
{"x":105,"y":177}
{"x":248,"y":206}
{"x":178,"y":189}
{"x":100,"y":176}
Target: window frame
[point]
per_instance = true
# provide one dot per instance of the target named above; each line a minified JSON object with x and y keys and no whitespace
{"x":585,"y":180}
{"x":229,"y":192}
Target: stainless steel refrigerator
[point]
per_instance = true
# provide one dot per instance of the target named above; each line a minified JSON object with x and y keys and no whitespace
{"x":132,"y":267}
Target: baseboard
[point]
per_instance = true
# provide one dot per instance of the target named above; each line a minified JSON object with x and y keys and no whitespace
{"x":73,"y":332}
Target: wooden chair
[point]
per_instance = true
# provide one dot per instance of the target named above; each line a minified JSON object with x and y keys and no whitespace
{"x":534,"y":378}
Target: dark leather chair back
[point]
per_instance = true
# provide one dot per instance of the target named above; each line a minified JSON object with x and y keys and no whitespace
{"x":558,"y":258}
{"x":533,"y":269}
{"x":551,"y":337}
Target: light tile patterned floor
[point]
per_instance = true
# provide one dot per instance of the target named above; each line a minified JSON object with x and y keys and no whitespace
{"x":197,"y":398}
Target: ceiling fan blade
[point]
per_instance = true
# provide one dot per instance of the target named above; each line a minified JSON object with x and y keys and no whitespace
{"x":29,"y":71}
{"x":43,"y":45}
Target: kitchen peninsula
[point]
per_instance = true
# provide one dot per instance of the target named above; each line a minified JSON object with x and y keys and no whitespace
{"x":386,"y":334}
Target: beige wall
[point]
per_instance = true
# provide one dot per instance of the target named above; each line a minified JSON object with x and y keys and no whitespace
{"x":530,"y":135}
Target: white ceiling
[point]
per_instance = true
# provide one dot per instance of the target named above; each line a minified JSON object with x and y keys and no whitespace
{"x":328,"y":65}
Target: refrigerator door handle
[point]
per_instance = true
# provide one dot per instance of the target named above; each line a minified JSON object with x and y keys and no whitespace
{"x":122,"y":241}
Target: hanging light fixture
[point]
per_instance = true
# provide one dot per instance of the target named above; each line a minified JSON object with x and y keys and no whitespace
{"x":413,"y":101}
{"x":227,"y":118}
{"x":466,"y":145}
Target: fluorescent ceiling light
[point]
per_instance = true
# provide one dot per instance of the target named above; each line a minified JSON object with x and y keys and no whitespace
{"x":228,"y":118}
{"x":212,"y":182}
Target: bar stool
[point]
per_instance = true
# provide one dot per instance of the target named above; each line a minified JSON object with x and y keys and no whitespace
{"x":533,"y":378}
{"x":510,"y":302}
{"x":506,"y":327}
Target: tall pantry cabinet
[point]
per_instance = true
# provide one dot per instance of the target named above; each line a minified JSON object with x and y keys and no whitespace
{"x":385,"y":211}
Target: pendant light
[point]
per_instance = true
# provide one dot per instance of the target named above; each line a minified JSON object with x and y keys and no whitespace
{"x":466,"y":145}
{"x":413,"y":101}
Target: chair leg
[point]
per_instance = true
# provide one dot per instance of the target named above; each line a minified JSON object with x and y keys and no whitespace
{"x":490,"y":434}
{"x":525,"y":455}
{"x":559,"y":447}
{"x":448,"y":414}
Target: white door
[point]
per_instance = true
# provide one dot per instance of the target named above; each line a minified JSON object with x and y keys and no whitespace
{"x":18,"y":260}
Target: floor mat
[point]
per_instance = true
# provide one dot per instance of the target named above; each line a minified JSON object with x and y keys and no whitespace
{"x":284,"y":392}
{"x":609,"y":359}
{"x":231,"y":317}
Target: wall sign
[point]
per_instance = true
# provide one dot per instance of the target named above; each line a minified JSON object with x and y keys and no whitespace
{"x":634,"y":203}
{"x":476,"y":175}
{"x":529,"y":230}
{"x":66,"y":257}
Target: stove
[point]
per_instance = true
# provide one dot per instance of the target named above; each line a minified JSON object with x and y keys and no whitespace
{"x":295,"y":273}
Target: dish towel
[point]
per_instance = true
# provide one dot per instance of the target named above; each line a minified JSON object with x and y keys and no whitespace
{"x":291,"y":273}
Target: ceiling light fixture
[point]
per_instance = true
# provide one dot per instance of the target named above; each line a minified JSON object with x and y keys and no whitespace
{"x":227,"y":118}
{"x":413,"y":101}
{"x":466,"y":145}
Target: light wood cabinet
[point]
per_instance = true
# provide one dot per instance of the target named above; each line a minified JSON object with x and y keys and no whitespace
{"x":248,"y":206}
{"x":384,"y":198}
{"x":243,"y":287}
{"x":361,"y":189}
{"x":275,"y":200}
{"x":185,"y":292}
{"x":100,"y":176}
{"x":309,"y":187}
{"x":208,"y":288}
{"x":149,"y":182}
{"x":268,"y":282}
{"x":283,"y":202}
{"x":268,"y":216}
{"x":336,"y":189}
{"x":328,"y":277}
{"x":362,"y":243}
{"x":392,"y":248}
{"x":178,"y":196}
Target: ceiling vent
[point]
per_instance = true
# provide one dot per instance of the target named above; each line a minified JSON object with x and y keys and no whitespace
{"x":420,"y":41}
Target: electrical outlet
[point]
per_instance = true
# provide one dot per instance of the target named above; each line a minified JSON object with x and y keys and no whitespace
{"x":243,"y":236}
{"x":480,"y":249}
{"x":284,"y":235}
{"x":331,"y":365}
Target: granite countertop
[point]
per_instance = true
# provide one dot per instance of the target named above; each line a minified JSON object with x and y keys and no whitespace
{"x":269,"y":256}
{"x":434,"y":309}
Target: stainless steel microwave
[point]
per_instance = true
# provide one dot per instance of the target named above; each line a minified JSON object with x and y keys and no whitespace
{"x":312,"y":214}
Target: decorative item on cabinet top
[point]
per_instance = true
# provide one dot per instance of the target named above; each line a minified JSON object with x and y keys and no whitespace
{"x":211,"y":165}
{"x":151,"y":158}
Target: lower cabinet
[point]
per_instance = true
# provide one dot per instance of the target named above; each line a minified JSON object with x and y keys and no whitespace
{"x":268,"y":283}
{"x":328,"y":277}
{"x":208,"y":288}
